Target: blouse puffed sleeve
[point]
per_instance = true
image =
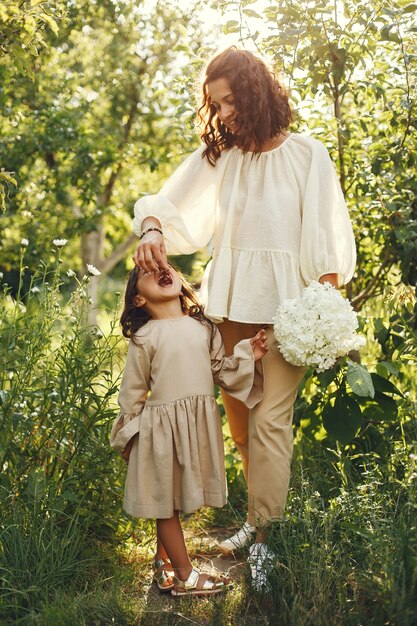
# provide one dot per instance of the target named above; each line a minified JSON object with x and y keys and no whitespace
{"x":327,"y":242}
{"x":133,"y":392}
{"x":239,"y":374}
{"x":185,"y":205}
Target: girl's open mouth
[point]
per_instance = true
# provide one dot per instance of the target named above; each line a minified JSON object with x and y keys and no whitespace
{"x":164,"y":279}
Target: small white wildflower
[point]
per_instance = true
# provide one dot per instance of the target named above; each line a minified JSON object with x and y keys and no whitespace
{"x":318,"y":328}
{"x":1,"y":274}
{"x":59,"y":242}
{"x":93,"y":270}
{"x":35,"y":289}
{"x":70,"y":273}
{"x":24,"y":242}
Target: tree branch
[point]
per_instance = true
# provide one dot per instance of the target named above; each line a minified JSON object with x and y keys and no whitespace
{"x":117,"y":255}
{"x":370,"y":288}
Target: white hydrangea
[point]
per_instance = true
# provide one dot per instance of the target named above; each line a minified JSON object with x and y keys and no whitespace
{"x":318,"y":328}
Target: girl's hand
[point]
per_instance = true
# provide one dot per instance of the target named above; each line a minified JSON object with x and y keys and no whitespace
{"x":151,"y":254}
{"x":259,"y":345}
{"x":126,"y":452}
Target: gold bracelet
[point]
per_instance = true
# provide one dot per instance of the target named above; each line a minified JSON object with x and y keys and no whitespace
{"x":147,"y":230}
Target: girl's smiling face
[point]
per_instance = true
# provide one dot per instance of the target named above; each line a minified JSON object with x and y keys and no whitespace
{"x":155,"y":287}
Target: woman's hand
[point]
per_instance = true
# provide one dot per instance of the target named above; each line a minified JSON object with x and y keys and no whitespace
{"x":259,"y":345}
{"x":329,"y":278}
{"x":151,"y":254}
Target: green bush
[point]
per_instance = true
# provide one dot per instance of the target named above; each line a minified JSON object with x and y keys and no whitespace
{"x":58,"y":391}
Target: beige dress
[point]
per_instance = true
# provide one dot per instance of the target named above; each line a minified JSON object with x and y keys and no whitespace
{"x":167,"y":403}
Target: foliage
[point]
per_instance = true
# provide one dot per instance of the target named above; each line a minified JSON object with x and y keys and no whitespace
{"x":51,"y":572}
{"x":340,"y":60}
{"x":23,"y":27}
{"x":87,"y":135}
{"x":57,"y":401}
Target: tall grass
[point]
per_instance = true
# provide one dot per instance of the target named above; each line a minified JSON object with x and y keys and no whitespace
{"x":60,"y":484}
{"x":58,"y":391}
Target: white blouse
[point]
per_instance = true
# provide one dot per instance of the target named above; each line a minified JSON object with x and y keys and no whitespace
{"x":278,"y":221}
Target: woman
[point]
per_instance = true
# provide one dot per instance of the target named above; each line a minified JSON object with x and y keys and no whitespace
{"x":271,"y":203}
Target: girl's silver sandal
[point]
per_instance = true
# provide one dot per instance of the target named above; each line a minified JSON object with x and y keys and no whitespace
{"x":190,"y":587}
{"x":163,"y":577}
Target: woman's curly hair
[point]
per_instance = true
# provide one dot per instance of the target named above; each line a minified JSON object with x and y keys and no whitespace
{"x":134,"y":317}
{"x":261,"y":104}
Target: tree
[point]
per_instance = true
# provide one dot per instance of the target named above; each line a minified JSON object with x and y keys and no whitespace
{"x":97,"y":118}
{"x":352,"y":68}
{"x":22,"y":27}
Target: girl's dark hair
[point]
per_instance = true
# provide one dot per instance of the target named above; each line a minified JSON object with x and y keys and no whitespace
{"x":261,"y":103}
{"x":134,"y":317}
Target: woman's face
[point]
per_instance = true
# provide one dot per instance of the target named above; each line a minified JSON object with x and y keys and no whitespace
{"x":222,"y":99}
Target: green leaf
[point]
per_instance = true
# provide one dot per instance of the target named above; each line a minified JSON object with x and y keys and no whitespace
{"x":385,"y":386}
{"x":381,"y":330}
{"x":343,"y":419}
{"x":252,"y":13}
{"x":381,"y":408}
{"x":231,"y":27}
{"x":360,"y":380}
{"x":391,"y":367}
{"x":7,"y":178}
{"x":327,"y":376}
{"x":47,"y":19}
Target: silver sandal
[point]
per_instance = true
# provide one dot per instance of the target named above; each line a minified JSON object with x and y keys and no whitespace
{"x":163,"y":577}
{"x":190,"y":587}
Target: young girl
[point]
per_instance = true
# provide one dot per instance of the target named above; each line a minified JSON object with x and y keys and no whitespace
{"x":169,"y":429}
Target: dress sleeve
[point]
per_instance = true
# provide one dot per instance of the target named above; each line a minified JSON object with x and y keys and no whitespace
{"x":133,"y":392}
{"x":327,"y":242}
{"x":185,"y":205}
{"x":238,"y":374}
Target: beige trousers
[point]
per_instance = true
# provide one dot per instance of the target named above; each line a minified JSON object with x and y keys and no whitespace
{"x":263,"y":435}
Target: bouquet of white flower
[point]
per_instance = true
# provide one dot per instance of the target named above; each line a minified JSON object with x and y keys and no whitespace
{"x":318,"y":328}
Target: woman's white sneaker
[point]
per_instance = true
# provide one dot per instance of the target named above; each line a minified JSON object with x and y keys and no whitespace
{"x":239,"y":540}
{"x":261,"y":562}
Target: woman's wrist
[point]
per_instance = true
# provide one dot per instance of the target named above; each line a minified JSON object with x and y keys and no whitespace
{"x":150,"y":221}
{"x":150,"y":229}
{"x":331,"y":278}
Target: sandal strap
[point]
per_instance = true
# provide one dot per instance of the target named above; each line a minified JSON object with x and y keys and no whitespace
{"x":192,"y":582}
{"x":160,"y":563}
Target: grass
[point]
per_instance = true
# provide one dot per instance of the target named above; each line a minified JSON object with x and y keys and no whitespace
{"x":346,"y":553}
{"x":346,"y":549}
{"x":349,"y":561}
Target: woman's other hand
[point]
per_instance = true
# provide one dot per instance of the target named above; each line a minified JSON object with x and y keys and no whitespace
{"x":329,"y":278}
{"x":259,"y":345}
